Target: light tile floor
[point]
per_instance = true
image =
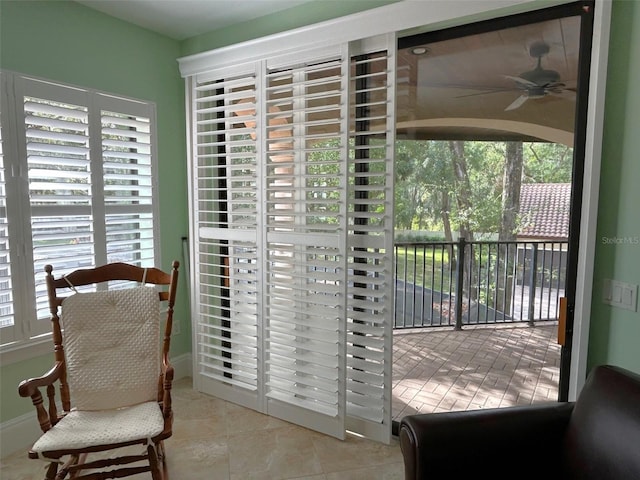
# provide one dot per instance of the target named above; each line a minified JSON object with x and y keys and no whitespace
{"x":216,"y":440}
{"x":434,"y":370}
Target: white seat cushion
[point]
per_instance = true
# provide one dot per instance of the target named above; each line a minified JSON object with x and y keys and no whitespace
{"x":80,"y":429}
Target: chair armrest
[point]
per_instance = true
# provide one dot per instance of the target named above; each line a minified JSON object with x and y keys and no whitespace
{"x":28,"y":388}
{"x":476,"y":442}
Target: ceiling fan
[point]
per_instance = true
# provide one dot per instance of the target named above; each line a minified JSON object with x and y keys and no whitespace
{"x":539,"y":82}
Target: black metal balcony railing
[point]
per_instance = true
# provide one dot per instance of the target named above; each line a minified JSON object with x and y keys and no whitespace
{"x":485,"y":282}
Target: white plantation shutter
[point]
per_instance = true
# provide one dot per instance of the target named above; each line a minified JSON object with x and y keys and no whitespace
{"x":60,"y":196}
{"x":305,"y":262}
{"x":225,"y":218}
{"x":128,"y":183}
{"x":7,"y":324}
{"x":370,"y":245}
{"x":292,"y":195}
{"x":82,"y":173}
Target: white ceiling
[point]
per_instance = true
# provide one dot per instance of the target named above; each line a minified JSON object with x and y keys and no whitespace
{"x":180,"y":19}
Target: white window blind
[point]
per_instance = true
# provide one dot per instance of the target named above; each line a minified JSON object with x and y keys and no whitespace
{"x":292,"y":221}
{"x":82,"y":182}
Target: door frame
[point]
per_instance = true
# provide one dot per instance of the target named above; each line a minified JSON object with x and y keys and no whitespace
{"x":584,"y":9}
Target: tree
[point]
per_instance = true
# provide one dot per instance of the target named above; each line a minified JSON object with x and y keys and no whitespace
{"x":462,"y":187}
{"x":511,"y":184}
{"x":412,"y":184}
{"x":440,"y":183}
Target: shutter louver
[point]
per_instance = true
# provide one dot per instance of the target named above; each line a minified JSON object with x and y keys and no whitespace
{"x":227,"y":250}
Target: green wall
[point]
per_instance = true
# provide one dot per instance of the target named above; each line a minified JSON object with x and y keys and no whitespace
{"x":615,"y":333}
{"x":300,"y":16}
{"x":65,"y":41}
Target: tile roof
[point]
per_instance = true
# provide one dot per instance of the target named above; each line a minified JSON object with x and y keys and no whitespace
{"x":544,"y":210}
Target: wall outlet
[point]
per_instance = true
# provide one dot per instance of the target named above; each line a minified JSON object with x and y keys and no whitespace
{"x":620,"y":294}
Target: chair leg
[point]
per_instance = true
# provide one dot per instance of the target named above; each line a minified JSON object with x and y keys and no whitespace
{"x":163,"y":460}
{"x":82,"y":458}
{"x":52,"y":471}
{"x":156,"y":473}
{"x":62,"y":473}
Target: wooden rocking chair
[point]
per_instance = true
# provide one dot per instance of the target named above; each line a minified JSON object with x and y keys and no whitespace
{"x":114,"y":383}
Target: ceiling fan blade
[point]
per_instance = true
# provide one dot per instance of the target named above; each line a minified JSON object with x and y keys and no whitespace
{"x":521,"y":81}
{"x":567,"y":94}
{"x":501,"y":90}
{"x":517,"y":103}
{"x":463,"y":86}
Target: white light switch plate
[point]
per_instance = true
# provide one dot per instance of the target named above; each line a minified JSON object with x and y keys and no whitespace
{"x":620,"y":294}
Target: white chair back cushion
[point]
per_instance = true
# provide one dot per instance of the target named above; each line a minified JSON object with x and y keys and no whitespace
{"x":111,"y":340}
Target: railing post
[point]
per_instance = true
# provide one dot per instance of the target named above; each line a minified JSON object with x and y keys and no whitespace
{"x":532,"y":284}
{"x":460,"y":282}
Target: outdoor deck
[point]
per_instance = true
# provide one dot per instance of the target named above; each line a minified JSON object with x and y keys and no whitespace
{"x":440,"y":369}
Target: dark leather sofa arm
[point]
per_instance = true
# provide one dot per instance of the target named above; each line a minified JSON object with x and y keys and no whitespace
{"x":493,"y":442}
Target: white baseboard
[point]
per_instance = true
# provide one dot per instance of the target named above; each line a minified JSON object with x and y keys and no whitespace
{"x":21,"y":432}
{"x":182,"y":366}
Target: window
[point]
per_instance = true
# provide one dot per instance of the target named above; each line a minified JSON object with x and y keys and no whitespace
{"x":76,"y":190}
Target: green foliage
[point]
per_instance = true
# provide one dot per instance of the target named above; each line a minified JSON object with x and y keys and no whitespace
{"x":417,"y":238}
{"x":424,"y":174}
{"x":547,"y":163}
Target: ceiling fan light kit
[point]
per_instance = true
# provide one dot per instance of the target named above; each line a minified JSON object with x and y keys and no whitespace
{"x":420,"y":50}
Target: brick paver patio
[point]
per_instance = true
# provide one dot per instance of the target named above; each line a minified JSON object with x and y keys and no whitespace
{"x":440,"y":369}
